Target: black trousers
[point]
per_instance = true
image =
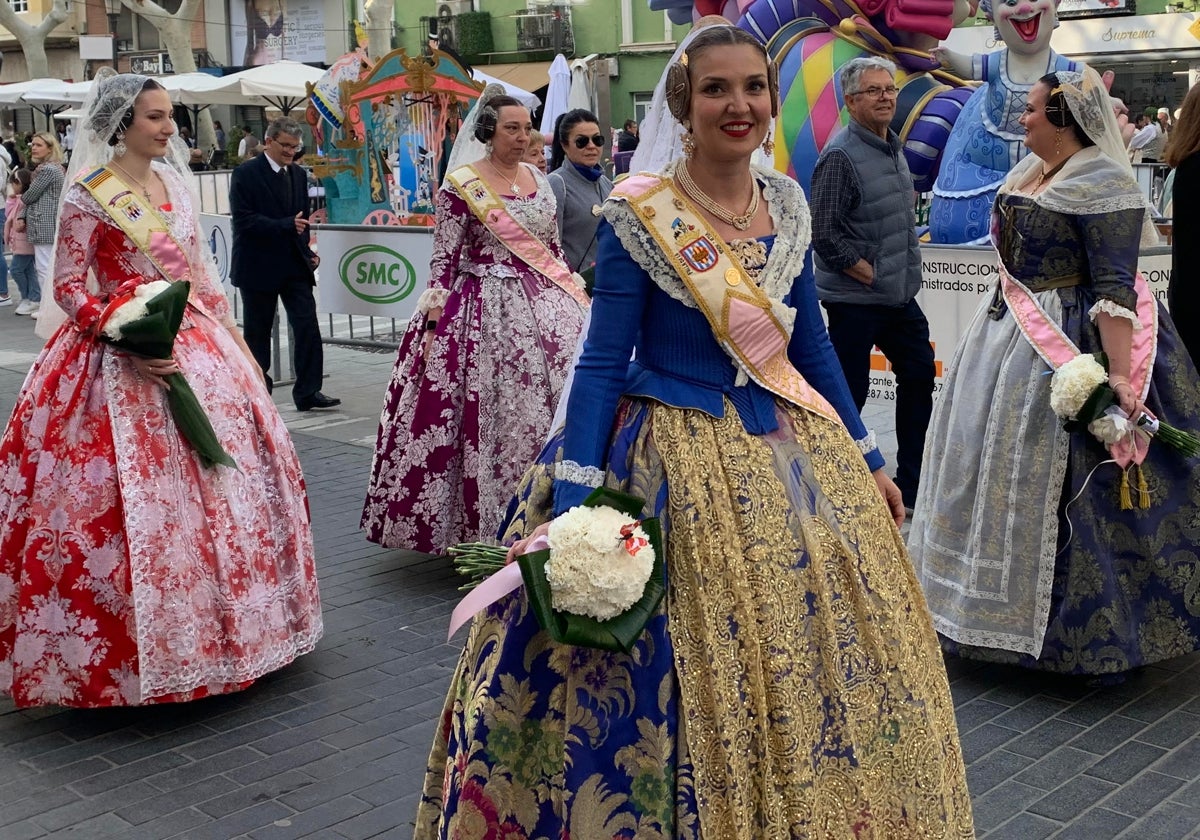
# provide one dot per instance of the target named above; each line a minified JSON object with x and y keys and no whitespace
{"x":902,"y":333}
{"x":258,"y":318}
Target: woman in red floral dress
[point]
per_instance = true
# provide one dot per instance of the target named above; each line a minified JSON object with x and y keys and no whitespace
{"x":129,"y":572}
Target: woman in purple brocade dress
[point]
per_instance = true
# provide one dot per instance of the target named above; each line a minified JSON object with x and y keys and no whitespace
{"x":482,"y":363}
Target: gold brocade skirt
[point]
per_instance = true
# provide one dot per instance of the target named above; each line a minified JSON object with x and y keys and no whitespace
{"x":792,"y":688}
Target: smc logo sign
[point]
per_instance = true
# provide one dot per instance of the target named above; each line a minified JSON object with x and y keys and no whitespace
{"x":377,"y":274}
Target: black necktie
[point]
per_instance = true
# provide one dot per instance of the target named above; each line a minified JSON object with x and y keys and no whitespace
{"x":287,"y":185}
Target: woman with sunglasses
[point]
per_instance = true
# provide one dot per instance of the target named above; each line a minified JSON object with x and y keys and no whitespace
{"x":579,"y":183}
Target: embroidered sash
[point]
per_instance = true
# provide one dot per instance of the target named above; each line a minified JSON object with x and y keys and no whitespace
{"x":492,"y":212}
{"x":133,"y":215}
{"x":736,"y":308}
{"x":1055,"y":348}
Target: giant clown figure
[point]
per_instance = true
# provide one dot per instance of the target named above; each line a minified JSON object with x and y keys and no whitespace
{"x":987,"y":141}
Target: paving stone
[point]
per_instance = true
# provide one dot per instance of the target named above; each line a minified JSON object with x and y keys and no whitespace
{"x":1044,"y":739}
{"x":983,"y":739}
{"x":1030,"y":714}
{"x":1126,"y":761}
{"x":1072,"y":799}
{"x":1169,"y":821}
{"x":169,"y":825}
{"x":156,"y":807}
{"x":1095,"y":824}
{"x":313,"y":822}
{"x":245,"y":795}
{"x":31,"y":806}
{"x":1056,"y":768}
{"x":83,"y":810}
{"x":977,"y":712}
{"x":1107,"y":735}
{"x":1025,"y":827}
{"x":1172,"y":730}
{"x":147,"y":768}
{"x":241,"y":822}
{"x":996,"y":806}
{"x":1143,"y":793}
{"x":281,"y":762}
{"x":1183,"y":762}
{"x":24,"y":830}
{"x":373,"y":823}
{"x":994,"y":769}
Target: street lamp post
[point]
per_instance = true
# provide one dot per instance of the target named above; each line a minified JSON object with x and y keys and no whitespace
{"x":113,"y":9}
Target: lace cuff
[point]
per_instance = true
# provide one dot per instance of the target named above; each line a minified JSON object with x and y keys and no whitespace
{"x":578,"y":474}
{"x":432,"y":299}
{"x":867,"y":445}
{"x":1114,"y":309}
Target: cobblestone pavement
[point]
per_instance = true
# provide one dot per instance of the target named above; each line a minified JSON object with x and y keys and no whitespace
{"x":334,"y":746}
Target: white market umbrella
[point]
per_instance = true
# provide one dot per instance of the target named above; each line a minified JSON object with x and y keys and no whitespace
{"x":557,"y":94}
{"x":13,"y":94}
{"x":280,"y":84}
{"x":191,"y":88}
{"x":62,"y":93}
{"x":523,"y":96}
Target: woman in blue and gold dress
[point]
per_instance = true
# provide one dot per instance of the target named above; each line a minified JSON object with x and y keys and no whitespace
{"x":1019,"y":536}
{"x":791,"y":684}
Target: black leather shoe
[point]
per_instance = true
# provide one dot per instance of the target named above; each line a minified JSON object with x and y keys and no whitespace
{"x":317,"y":400}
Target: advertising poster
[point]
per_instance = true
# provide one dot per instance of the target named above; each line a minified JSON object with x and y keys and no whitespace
{"x":264,"y":31}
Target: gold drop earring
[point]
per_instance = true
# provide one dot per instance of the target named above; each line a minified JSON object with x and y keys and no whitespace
{"x":689,"y":142}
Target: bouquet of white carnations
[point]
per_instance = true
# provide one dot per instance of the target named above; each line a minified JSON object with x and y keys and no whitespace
{"x":599,"y":581}
{"x":1081,"y":396}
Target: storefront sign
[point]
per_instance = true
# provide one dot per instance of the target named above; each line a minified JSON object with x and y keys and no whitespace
{"x":1094,"y":36}
{"x":954,"y":282}
{"x":367,"y":270}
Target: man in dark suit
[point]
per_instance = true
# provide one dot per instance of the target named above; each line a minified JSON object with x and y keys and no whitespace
{"x":272,"y":261}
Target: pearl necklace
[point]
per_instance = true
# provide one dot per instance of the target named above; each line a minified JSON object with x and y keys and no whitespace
{"x":516,"y":190}
{"x":698,"y":195}
{"x":124,"y":171}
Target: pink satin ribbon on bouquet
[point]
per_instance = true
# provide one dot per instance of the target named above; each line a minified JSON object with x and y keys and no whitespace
{"x":491,"y":589}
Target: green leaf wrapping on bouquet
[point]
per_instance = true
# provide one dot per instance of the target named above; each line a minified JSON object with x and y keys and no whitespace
{"x":615,"y":634}
{"x":153,"y":337}
{"x":1093,"y":407}
{"x":193,"y":423}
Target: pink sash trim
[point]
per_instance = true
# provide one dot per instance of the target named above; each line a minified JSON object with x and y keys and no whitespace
{"x":493,"y":213}
{"x":1056,"y":349}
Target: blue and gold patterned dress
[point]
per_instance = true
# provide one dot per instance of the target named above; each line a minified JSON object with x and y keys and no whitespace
{"x":791,"y":684}
{"x":1018,"y":537}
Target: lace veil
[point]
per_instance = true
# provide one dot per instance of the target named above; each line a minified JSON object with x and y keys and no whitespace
{"x":467,"y":148}
{"x":111,"y":96}
{"x":1091,"y":183}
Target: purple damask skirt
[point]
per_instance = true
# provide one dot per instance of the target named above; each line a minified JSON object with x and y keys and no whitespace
{"x":460,"y":426}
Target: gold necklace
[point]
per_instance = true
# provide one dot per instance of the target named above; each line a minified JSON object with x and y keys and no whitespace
{"x":126,"y":172}
{"x":698,"y":195}
{"x":512,"y":181}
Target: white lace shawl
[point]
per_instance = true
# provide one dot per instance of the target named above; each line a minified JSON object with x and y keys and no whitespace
{"x":793,"y":233}
{"x":1089,"y":182}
